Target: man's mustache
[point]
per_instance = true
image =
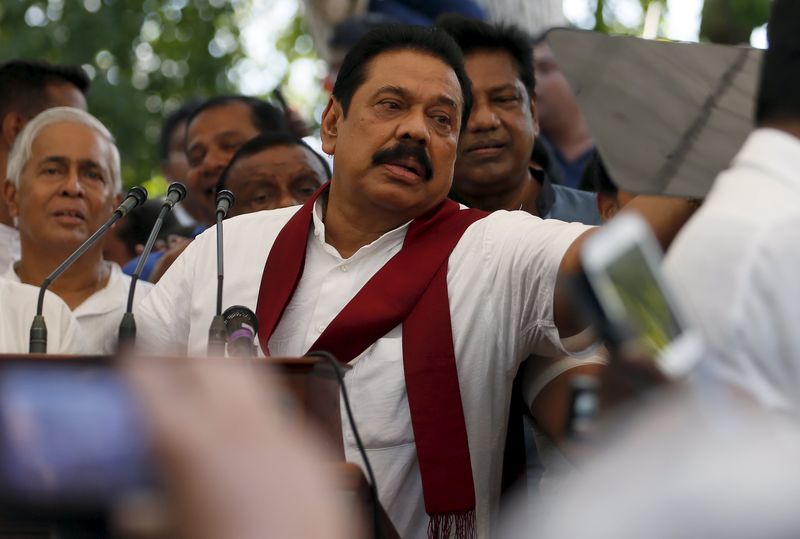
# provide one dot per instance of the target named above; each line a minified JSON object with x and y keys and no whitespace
{"x":403,"y":151}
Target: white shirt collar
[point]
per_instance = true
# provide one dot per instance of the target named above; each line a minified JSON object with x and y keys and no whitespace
{"x":396,"y":235}
{"x":105,"y":300}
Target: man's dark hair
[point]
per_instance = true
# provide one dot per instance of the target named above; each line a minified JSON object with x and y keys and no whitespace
{"x":171,"y":122}
{"x":266,"y":117}
{"x":265,"y":141}
{"x":779,"y":88}
{"x":397,"y":37}
{"x":596,"y":177}
{"x":473,"y":35}
{"x":23,"y":84}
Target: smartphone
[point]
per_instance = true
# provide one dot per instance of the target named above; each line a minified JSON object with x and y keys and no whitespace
{"x":622,"y":264}
{"x":71,"y":438}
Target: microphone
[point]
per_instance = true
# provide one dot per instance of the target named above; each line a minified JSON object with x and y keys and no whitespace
{"x":241,"y":327}
{"x":37,"y":343}
{"x":127,"y":327}
{"x":216,"y":332}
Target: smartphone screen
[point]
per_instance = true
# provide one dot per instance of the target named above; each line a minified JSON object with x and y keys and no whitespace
{"x":70,"y":437}
{"x":631,"y":294}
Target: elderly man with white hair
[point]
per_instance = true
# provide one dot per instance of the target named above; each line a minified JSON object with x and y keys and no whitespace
{"x":63,"y":182}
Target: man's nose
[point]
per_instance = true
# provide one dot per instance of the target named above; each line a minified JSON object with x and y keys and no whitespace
{"x":482,"y":118}
{"x":414,"y":126}
{"x":72,"y":185}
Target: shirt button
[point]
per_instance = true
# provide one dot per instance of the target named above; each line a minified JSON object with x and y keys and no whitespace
{"x":320,"y":328}
{"x":343,"y":267}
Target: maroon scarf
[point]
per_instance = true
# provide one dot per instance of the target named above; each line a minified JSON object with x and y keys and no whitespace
{"x":411,"y":288}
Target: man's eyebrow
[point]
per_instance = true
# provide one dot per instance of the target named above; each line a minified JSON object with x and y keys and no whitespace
{"x":504,"y":87}
{"x":403,"y":93}
{"x":61,"y":160}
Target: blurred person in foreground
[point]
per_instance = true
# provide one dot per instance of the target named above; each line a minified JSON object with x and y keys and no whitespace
{"x":28,"y":87}
{"x":433,"y":306}
{"x":63,"y":183}
{"x":17,"y":309}
{"x":703,"y":461}
{"x":735,"y":264}
{"x":215,"y":130}
{"x":564,"y":129}
{"x":271,"y":171}
{"x":493,"y":170}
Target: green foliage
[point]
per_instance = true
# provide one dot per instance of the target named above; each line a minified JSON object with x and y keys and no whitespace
{"x":146,"y":58}
{"x":732,"y":21}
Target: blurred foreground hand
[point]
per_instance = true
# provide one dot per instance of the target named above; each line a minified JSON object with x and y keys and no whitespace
{"x":232,"y":464}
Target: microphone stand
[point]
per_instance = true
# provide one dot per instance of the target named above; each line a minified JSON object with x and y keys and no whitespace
{"x":37,"y":343}
{"x":217,"y":332}
{"x":127,"y":327}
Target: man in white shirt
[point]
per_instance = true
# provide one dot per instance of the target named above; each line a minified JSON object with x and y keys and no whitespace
{"x":64,"y":183}
{"x":393,"y":124}
{"x":16,"y":314}
{"x":735,"y":263}
{"x":27,"y":88}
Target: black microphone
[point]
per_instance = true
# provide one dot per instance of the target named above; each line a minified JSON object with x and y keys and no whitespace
{"x":241,"y":327}
{"x":37,"y":343}
{"x":127,"y":327}
{"x":216,"y":332}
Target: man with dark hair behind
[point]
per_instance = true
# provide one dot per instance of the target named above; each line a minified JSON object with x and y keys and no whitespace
{"x":27,"y":87}
{"x":271,"y":171}
{"x":493,"y":170}
{"x":610,"y":198}
{"x":434,"y":307}
{"x":172,"y":151}
{"x":214,"y":131}
{"x":735,"y":264}
{"x":564,"y":130}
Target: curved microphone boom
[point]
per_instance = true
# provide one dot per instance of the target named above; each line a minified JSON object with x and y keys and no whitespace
{"x":38,"y":336}
{"x":127,"y":327}
{"x":216,"y":332}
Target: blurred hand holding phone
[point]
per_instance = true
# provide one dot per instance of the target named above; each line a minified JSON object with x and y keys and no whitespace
{"x":633,"y":308}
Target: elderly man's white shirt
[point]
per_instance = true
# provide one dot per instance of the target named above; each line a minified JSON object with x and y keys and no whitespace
{"x":501,"y":277}
{"x":100,"y":314}
{"x":17,"y":309}
{"x":9,"y":247}
{"x":735,"y":265}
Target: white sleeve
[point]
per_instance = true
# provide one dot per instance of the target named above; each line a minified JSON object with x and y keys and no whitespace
{"x":523,"y":256}
{"x":163,"y":317}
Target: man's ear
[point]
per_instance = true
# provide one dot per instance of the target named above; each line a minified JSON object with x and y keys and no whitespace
{"x":329,"y":129}
{"x":13,"y":122}
{"x":535,"y":115}
{"x":10,"y":198}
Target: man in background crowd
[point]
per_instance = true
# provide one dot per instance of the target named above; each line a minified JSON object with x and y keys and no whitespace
{"x":271,"y":171}
{"x":27,"y":88}
{"x":172,"y":153}
{"x":564,"y":128}
{"x":493,"y":170}
{"x":610,"y":198}
{"x":215,"y":130}
{"x":64,"y":183}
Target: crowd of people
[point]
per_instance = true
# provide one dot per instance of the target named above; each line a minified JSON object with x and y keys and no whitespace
{"x":432,"y":248}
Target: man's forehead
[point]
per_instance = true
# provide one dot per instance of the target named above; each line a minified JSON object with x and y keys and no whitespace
{"x":231,"y":116}
{"x":69,"y":140}
{"x":390,"y":67}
